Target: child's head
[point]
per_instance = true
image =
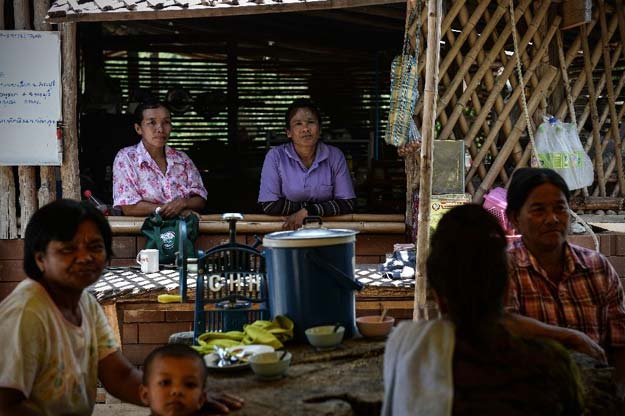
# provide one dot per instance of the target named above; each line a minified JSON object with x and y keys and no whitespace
{"x":174,"y":377}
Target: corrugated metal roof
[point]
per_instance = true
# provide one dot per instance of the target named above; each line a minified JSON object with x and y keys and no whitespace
{"x":114,"y":10}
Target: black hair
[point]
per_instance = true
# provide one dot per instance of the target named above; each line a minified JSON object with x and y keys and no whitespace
{"x":177,"y":351}
{"x":147,"y":104}
{"x":467,"y":267}
{"x":525,"y":180}
{"x":301,"y":103}
{"x":59,"y":220}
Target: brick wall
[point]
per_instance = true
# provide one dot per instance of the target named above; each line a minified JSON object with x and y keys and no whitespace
{"x":11,"y":269}
{"x":370,"y":248}
{"x":145,"y":326}
{"x":611,"y":245}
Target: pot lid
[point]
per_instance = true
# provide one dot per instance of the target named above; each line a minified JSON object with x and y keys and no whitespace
{"x":309,"y":235}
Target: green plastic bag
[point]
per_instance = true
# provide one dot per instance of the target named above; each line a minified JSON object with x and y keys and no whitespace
{"x":162,"y":234}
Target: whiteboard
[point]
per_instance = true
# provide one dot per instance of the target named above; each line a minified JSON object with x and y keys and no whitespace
{"x":30,"y":97}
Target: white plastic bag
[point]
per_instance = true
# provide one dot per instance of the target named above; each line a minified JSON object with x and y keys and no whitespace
{"x":559,"y":148}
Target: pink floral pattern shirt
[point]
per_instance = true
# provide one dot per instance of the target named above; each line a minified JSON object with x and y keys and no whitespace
{"x":137,"y":177}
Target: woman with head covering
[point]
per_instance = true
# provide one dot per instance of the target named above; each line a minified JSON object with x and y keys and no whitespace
{"x":563,"y":291}
{"x":152,"y":176}
{"x":305,"y":176}
{"x":467,"y":363}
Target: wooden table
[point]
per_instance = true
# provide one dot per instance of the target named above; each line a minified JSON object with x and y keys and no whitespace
{"x":345,"y":381}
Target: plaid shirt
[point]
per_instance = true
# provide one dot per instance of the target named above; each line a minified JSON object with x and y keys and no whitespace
{"x":589,"y":297}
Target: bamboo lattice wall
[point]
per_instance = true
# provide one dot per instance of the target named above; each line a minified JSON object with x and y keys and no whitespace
{"x":480,"y":94}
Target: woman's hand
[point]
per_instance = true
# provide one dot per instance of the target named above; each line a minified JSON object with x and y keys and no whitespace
{"x":578,"y":341}
{"x":173,"y":209}
{"x":220,"y":404}
{"x":295,"y":220}
{"x":527,"y":327}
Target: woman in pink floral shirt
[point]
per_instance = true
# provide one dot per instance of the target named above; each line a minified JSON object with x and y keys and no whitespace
{"x":152,"y":176}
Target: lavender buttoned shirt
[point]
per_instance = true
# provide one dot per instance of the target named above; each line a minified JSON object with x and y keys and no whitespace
{"x":285,"y":176}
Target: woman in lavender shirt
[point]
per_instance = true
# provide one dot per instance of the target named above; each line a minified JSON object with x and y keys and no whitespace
{"x":305,"y":176}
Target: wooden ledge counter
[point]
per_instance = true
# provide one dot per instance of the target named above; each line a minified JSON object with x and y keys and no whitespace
{"x":264,"y":224}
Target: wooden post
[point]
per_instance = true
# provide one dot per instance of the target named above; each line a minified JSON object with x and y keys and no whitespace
{"x":21,"y":13}
{"x":594,"y":117}
{"x":69,"y":169}
{"x":430,"y":96}
{"x":47,"y":189}
{"x":8,"y":219}
{"x":607,"y":67}
{"x":409,"y":153}
{"x":27,"y":182}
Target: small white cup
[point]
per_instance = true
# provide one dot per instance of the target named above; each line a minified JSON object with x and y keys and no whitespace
{"x":148,"y":259}
{"x":192,"y":265}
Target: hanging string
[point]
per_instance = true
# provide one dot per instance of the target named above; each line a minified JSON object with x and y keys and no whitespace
{"x":528,"y":120}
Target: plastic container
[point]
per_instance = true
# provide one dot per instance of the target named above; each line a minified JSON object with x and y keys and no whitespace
{"x":311,"y":279}
{"x":495,"y":203}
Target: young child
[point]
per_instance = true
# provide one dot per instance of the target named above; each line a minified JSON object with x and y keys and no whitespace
{"x":174,"y":377}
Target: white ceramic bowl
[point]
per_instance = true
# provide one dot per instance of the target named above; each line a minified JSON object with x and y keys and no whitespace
{"x":269,"y":365}
{"x":324,"y":336}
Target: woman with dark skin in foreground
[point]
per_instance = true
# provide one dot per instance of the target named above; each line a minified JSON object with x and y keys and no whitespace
{"x":54,"y":336}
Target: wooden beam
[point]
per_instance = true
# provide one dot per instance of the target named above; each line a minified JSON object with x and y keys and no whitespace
{"x":607,"y":67}
{"x":380,"y":11}
{"x":27,"y":182}
{"x":191,"y":12}
{"x":350,"y":18}
{"x":47,"y":174}
{"x":132,"y":225}
{"x":593,"y":203}
{"x":8,"y":218}
{"x":21,"y":14}
{"x":28,"y":195}
{"x":40,"y":9}
{"x":430,"y":98}
{"x":594,"y":116}
{"x":69,"y":169}
{"x":343,"y":49}
{"x":8,"y":214}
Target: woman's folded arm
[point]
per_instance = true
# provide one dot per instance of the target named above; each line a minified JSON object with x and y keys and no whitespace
{"x":329,"y":208}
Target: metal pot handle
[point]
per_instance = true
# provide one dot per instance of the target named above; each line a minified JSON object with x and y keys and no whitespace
{"x":311,"y":218}
{"x":340,"y":278}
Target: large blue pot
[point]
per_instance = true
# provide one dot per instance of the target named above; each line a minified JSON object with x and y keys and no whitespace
{"x":311,"y":277}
